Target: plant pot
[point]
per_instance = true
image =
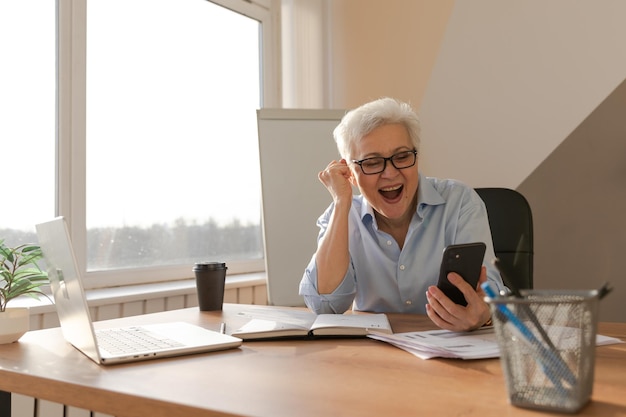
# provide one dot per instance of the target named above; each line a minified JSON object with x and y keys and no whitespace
{"x":14,"y":322}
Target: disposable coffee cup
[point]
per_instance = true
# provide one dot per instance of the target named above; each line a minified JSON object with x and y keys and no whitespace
{"x":210,"y":278}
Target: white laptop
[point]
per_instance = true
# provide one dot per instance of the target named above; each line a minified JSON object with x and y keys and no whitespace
{"x":104,"y":346}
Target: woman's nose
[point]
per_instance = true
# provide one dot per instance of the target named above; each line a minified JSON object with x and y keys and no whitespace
{"x":389,"y":170}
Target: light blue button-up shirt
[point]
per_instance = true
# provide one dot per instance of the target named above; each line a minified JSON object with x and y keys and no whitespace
{"x":381,"y":277}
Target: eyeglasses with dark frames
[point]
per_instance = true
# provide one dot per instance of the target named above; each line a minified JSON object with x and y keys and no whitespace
{"x":377,"y":164}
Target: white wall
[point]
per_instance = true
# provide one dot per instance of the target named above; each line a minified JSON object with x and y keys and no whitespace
{"x":513,"y":79}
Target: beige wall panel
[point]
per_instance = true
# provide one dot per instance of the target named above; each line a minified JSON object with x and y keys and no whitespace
{"x":383,"y":48}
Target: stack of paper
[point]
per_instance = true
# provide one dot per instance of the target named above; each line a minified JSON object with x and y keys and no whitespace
{"x":479,"y":344}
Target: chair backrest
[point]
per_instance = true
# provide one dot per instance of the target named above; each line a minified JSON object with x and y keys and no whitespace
{"x":511,"y":223}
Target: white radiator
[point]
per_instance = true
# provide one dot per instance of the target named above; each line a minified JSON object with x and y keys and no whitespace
{"x":22,"y":406}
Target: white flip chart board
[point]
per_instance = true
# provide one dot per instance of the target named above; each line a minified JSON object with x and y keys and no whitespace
{"x":294,"y":146}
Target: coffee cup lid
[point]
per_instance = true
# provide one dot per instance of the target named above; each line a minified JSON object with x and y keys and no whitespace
{"x":209,"y":266}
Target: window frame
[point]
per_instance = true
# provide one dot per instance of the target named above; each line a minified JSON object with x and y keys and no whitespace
{"x":71,"y":41}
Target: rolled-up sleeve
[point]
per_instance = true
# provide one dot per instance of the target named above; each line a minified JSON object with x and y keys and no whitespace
{"x":336,"y":302}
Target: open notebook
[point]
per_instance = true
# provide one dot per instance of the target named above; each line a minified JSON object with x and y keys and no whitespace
{"x":109,"y":346}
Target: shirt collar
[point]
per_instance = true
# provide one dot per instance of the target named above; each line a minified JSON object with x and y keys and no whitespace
{"x":427,"y":193}
{"x":367,"y":211}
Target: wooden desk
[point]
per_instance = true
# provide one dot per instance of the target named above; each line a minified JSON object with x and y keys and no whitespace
{"x":338,"y":377}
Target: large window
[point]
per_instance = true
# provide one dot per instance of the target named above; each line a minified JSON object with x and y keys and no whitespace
{"x":172,"y":157}
{"x":156,"y":151}
{"x":27,"y":111}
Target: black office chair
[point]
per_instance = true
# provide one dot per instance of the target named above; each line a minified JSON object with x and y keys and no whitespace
{"x":511,"y":222}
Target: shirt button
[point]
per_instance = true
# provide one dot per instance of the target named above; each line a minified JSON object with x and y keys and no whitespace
{"x":402,"y":267}
{"x":408,"y":302}
{"x":389,"y":243}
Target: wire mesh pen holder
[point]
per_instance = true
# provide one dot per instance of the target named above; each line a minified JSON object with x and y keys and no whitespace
{"x":547,"y":343}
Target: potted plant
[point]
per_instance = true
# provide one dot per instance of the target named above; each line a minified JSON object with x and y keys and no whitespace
{"x":19,"y":275}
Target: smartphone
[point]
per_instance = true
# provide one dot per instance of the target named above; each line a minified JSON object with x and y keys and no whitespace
{"x":466,"y":260}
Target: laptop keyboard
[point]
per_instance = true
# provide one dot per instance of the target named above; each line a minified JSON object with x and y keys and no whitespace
{"x":133,"y":340}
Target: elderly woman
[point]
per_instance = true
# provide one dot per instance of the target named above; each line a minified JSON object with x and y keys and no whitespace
{"x":381,"y":251}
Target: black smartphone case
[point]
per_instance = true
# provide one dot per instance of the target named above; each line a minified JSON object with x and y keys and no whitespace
{"x":466,"y":260}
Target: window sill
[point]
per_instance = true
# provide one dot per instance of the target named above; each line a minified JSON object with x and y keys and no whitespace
{"x":130,"y":293}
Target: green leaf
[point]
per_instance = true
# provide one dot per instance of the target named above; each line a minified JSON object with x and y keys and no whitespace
{"x":19,"y":272}
{"x":7,"y":253}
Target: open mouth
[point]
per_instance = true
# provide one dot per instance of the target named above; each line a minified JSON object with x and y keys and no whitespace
{"x":391,"y":193}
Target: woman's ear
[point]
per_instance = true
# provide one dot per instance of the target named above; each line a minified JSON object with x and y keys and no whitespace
{"x":352,"y":178}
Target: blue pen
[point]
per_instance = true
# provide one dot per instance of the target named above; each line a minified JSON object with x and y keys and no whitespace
{"x":525,"y":308}
{"x":552,"y":364}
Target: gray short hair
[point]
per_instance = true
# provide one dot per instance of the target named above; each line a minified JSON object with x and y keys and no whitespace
{"x":361,"y":121}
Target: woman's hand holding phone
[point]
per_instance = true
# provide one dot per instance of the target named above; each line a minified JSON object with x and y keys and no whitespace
{"x":460,"y":275}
